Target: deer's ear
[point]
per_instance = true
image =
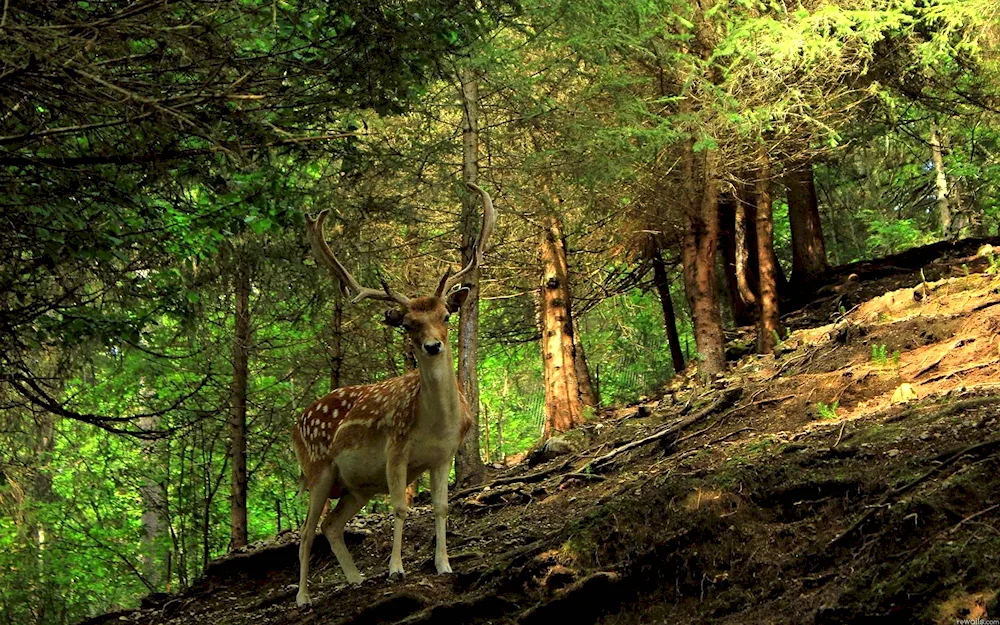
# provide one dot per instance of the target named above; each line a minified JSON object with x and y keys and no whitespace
{"x":456,"y":299}
{"x":394,"y":317}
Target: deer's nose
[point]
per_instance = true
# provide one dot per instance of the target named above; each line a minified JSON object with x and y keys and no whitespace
{"x":432,"y":348}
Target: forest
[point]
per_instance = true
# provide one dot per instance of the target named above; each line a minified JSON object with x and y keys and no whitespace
{"x":694,"y":201}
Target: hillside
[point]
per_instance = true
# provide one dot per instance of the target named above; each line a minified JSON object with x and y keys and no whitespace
{"x":853,"y":477}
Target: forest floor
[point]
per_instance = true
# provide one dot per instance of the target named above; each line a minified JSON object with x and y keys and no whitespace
{"x":853,"y":477}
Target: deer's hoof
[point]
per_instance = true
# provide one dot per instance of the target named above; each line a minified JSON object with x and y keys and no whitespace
{"x":395,"y":576}
{"x":302,"y":599}
{"x":444,"y":568}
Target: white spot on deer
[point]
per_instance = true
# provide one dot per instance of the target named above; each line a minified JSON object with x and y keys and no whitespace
{"x":335,"y":413}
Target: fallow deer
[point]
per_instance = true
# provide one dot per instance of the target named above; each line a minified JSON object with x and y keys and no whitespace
{"x":359,"y":441}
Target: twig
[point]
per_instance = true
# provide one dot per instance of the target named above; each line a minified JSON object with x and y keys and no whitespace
{"x":841,"y":435}
{"x":701,"y":431}
{"x":969,"y":518}
{"x":767,"y":400}
{"x":837,"y":397}
{"x":731,"y":434}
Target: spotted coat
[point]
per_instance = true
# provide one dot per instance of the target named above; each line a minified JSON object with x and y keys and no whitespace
{"x":349,"y":416}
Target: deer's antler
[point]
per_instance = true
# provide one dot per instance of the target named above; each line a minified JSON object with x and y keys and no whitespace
{"x":478,"y":248}
{"x":322,"y":251}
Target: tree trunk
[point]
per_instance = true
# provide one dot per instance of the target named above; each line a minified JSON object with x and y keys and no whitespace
{"x":469,"y":468}
{"x":662,"y":282}
{"x":747,"y":270}
{"x":808,"y":249}
{"x":563,"y":407}
{"x":153,"y":507}
{"x":44,"y":601}
{"x":743,"y":310}
{"x":769,"y":327}
{"x":941,"y":183}
{"x":698,"y":252}
{"x":238,"y":415}
{"x":389,"y":337}
{"x":337,"y":339}
{"x":588,"y":394}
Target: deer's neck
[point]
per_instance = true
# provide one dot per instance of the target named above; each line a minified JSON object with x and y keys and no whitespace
{"x":439,"y":401}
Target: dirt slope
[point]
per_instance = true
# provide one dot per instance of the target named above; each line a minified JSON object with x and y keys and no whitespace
{"x":748,"y":503}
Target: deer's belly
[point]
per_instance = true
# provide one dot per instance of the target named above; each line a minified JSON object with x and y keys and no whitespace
{"x":363,"y":470}
{"x":423,"y":456}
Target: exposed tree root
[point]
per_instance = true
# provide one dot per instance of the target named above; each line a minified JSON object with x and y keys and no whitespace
{"x":894,"y":494}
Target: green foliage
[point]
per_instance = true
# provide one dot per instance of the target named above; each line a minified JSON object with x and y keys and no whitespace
{"x":168,"y":151}
{"x":625,"y":337}
{"x":827,"y":412}
{"x":882,"y":358}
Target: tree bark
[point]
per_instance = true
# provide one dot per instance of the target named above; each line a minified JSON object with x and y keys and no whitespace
{"x":153,"y":507}
{"x":337,"y":338}
{"x":389,"y":337}
{"x":769,"y":327}
{"x":563,"y":407}
{"x":238,"y":414}
{"x":662,"y":282}
{"x":43,"y":602}
{"x":808,"y":249}
{"x":743,"y":310}
{"x":588,"y":394}
{"x":469,"y":467}
{"x":747,"y":270}
{"x":698,"y":252}
{"x":941,"y":183}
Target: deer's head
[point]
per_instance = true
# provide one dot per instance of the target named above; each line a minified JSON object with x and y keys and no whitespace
{"x":424,"y":319}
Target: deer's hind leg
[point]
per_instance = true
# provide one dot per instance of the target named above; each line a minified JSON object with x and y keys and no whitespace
{"x":333,"y":527}
{"x":319,"y":492}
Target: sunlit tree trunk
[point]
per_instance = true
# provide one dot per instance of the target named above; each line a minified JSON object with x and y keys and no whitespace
{"x":769,"y":319}
{"x":941,"y":183}
{"x":662,"y":282}
{"x":469,"y":468}
{"x":743,"y":311}
{"x":808,"y":249}
{"x":698,"y":252}
{"x":238,"y":410}
{"x":588,"y":393}
{"x":563,"y":406}
{"x":747,"y":271}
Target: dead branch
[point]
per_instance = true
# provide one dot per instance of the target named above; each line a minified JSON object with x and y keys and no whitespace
{"x":945,"y":376}
{"x":537,"y":476}
{"x":726,"y":399}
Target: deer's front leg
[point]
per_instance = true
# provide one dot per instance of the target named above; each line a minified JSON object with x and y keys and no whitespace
{"x":439,"y":497}
{"x":396,"y":477}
